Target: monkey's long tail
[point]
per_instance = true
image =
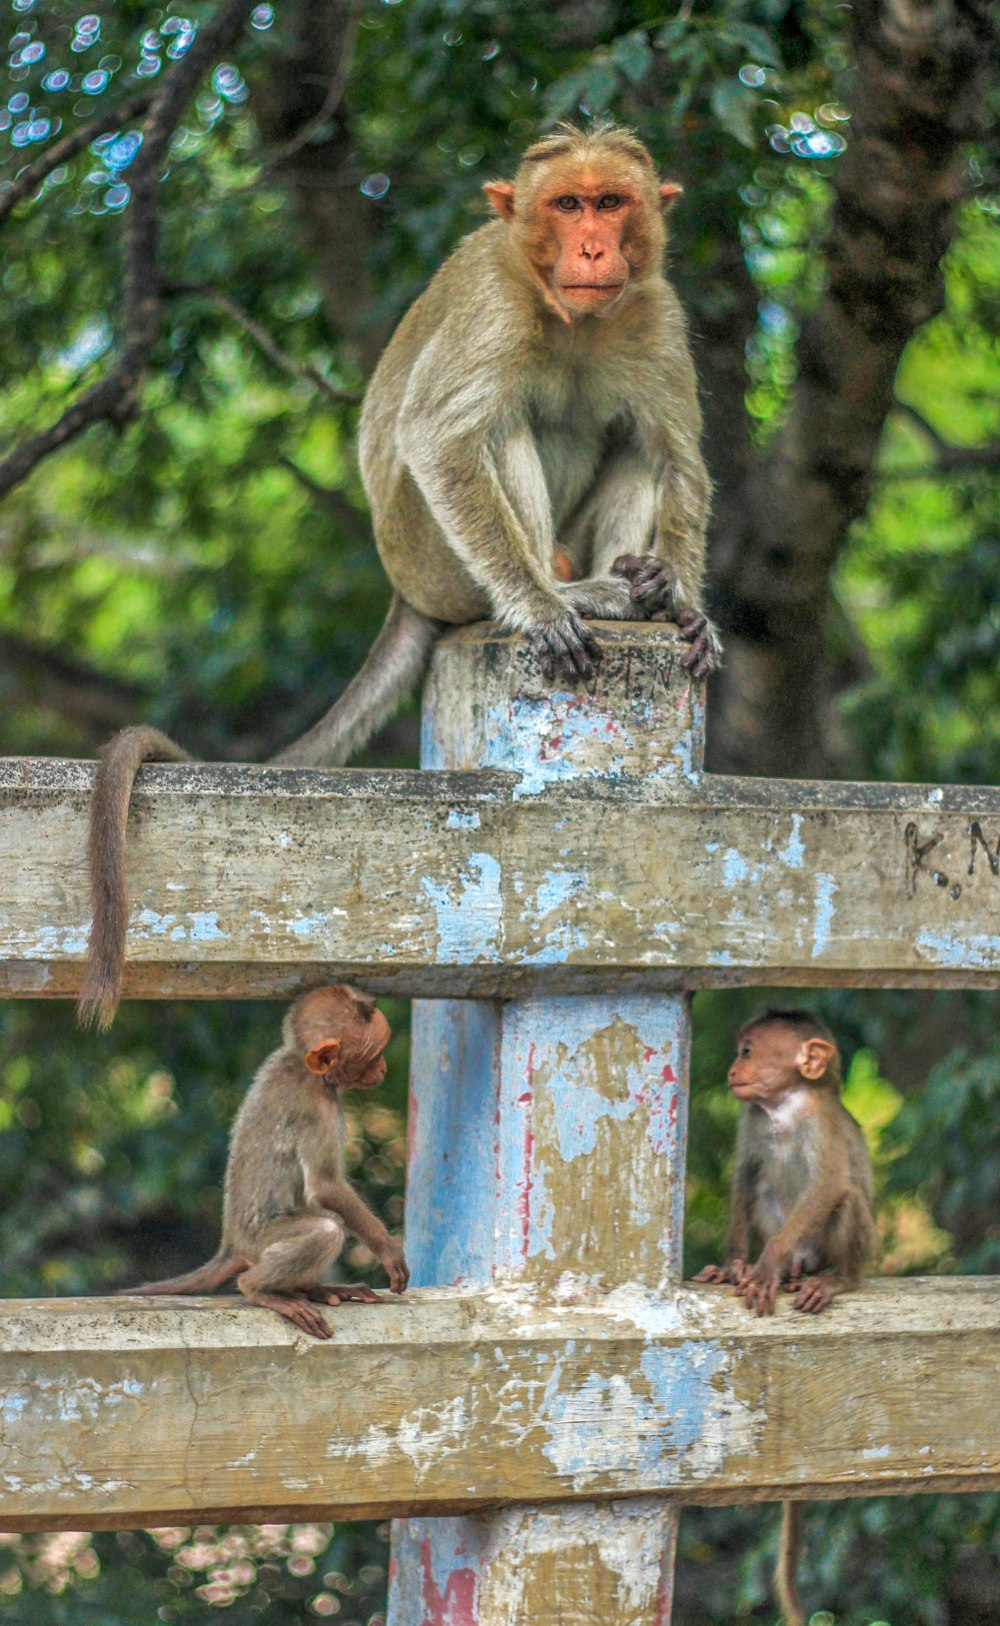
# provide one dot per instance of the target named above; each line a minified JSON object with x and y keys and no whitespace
{"x":211,"y":1275}
{"x":392,"y":668}
{"x":116,"y":771}
{"x":786,"y":1574}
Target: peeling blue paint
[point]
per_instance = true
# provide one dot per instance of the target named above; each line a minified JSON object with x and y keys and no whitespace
{"x":977,"y":952}
{"x":309,"y":925}
{"x":688,"y":751}
{"x":157,"y":925}
{"x":794,"y":853}
{"x":826,"y":886}
{"x":452,"y":1163}
{"x":462,"y":821}
{"x":548,"y":738}
{"x":205,"y":928}
{"x":51,"y":941}
{"x":734,"y":868}
{"x":556,"y":888}
{"x":468,"y":925}
{"x":603,"y":1426}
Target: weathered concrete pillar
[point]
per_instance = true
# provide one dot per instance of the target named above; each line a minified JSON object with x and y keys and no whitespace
{"x":547,"y":1134}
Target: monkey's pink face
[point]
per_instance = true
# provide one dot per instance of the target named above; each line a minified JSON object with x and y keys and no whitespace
{"x":587,"y":223}
{"x":766,"y":1064}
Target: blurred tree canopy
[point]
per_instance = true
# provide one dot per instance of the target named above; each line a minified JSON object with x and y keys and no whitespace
{"x":211,"y":222}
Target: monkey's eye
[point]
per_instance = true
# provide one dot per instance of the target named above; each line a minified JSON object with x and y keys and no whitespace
{"x":567,"y":203}
{"x":610,"y":200}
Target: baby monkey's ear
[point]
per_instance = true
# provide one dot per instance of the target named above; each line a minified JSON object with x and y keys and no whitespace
{"x":323,"y":1056}
{"x":815,"y":1057}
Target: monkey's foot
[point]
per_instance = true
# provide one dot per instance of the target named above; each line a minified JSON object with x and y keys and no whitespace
{"x":295,"y":1309}
{"x":733,"y":1271}
{"x":814,"y":1293}
{"x":343,"y":1293}
{"x":566,"y":647}
{"x":705,"y":653}
{"x":653,"y":583}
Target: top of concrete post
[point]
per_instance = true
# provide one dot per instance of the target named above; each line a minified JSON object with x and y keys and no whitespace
{"x":640,"y":720}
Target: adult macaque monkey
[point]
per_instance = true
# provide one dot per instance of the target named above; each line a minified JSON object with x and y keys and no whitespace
{"x":538,"y":400}
{"x":530,"y":448}
{"x":287,"y":1199}
{"x":802,"y":1186}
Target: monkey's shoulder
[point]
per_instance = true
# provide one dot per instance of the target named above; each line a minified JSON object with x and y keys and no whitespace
{"x":283,"y":1100}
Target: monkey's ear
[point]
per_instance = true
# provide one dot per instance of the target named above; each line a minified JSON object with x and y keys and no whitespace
{"x":669,"y":193}
{"x":501,"y":195}
{"x":322,"y":1056}
{"x":815,"y":1057}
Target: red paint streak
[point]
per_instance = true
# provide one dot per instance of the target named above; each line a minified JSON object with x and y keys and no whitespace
{"x":524,"y":1193}
{"x":456,"y":1605}
{"x":672,"y":1112}
{"x":411,"y":1131}
{"x":668,"y":1075}
{"x":648,"y":1053}
{"x":664,"y":1600}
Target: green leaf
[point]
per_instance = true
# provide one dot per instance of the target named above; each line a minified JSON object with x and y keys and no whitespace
{"x":756,"y":41}
{"x":602,"y":82}
{"x":633,"y":55}
{"x":733,"y":107}
{"x":564,"y":94}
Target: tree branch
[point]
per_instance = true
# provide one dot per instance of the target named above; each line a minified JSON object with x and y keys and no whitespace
{"x":115,"y":399}
{"x":333,"y":501}
{"x":948,"y":459}
{"x":260,"y":336}
{"x":922,"y":74}
{"x":331,"y":101}
{"x":113,"y":119}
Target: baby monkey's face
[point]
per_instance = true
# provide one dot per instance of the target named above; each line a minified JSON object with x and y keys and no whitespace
{"x":767,"y":1063}
{"x":343,"y":1036}
{"x":361,"y":1063}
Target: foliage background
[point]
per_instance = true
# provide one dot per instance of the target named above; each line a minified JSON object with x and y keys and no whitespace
{"x":210,"y":569}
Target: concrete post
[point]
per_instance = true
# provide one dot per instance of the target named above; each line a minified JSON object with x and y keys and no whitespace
{"x":547,"y":1134}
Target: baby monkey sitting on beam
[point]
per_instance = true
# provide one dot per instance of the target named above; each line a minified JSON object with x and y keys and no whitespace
{"x":802,"y":1184}
{"x":287,"y":1198}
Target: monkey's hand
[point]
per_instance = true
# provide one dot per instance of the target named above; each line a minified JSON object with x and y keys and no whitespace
{"x":395,"y":1266}
{"x":705,"y":653}
{"x":760,"y":1285}
{"x":565,"y":646}
{"x":733,"y":1271}
{"x":653,"y":584}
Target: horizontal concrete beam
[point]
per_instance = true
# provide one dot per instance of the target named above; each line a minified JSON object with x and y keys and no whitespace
{"x":253,"y":881}
{"x":118,"y":1413}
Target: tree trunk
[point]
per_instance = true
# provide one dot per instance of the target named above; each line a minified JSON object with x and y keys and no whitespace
{"x":923,"y":70}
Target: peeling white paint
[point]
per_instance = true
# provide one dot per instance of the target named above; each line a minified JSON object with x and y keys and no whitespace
{"x":425,"y":1436}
